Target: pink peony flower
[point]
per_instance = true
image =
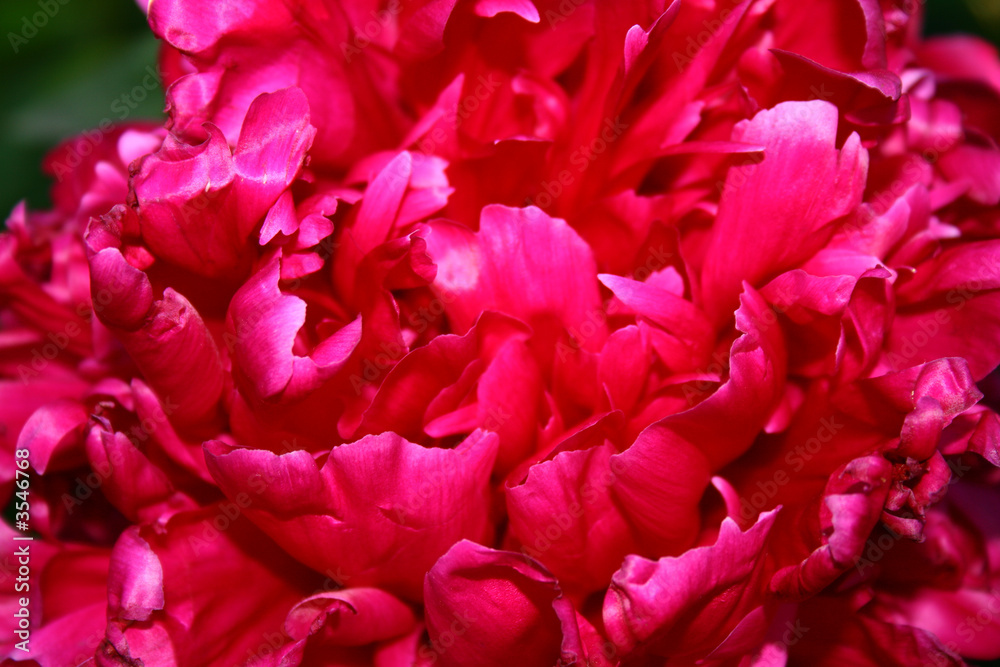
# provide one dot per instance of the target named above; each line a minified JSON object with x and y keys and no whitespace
{"x":556,"y":332}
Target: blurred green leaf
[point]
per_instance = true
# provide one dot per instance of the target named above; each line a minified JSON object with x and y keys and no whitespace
{"x":63,"y":80}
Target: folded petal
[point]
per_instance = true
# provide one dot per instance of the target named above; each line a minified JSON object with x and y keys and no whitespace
{"x":426,"y":393}
{"x":661,"y":477}
{"x":262,"y":326}
{"x":756,"y":233}
{"x":172,"y":589}
{"x":949,"y":309}
{"x":352,"y":617}
{"x":381,"y":509}
{"x":565,"y":516}
{"x":492,"y":607}
{"x":522,"y":263}
{"x":684,"y":607}
{"x":52,"y":436}
{"x":198,"y":204}
{"x":852,"y":505}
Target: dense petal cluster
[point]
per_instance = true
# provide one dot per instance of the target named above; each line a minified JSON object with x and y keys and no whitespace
{"x":537,"y":332}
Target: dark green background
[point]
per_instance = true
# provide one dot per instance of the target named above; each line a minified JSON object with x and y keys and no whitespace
{"x":63,"y":81}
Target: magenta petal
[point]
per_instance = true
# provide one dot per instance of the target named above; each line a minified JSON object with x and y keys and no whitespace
{"x":123,"y":290}
{"x":853,"y":35}
{"x":273,"y":142}
{"x":852,"y":505}
{"x":415,"y":333}
{"x":179,"y":359}
{"x":523,"y":8}
{"x":661,"y":477}
{"x":62,"y":642}
{"x":425,"y":33}
{"x":979,"y":167}
{"x":963,"y":271}
{"x":870,"y":97}
{"x":916,"y":403}
{"x":198,"y":32}
{"x":522,"y":263}
{"x":674,"y":314}
{"x":380,"y":510}
{"x":203,"y":587}
{"x":624,"y":366}
{"x":53,"y":435}
{"x":261,"y":329}
{"x":840,"y":634}
{"x":966,"y":277}
{"x":982,"y":430}
{"x":31,"y":304}
{"x":640,"y":43}
{"x":280,"y":218}
{"x":422,"y":376}
{"x":758,"y":233}
{"x":943,"y":390}
{"x":658,"y":483}
{"x":176,"y":189}
{"x":352,"y":617}
{"x":565,"y":516}
{"x":154,"y":420}
{"x":509,"y":398}
{"x":381,"y":203}
{"x":198,"y":204}
{"x":685,"y":607}
{"x":134,"y":484}
{"x":489,"y":608}
{"x":136,"y":579}
{"x":262,"y":351}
